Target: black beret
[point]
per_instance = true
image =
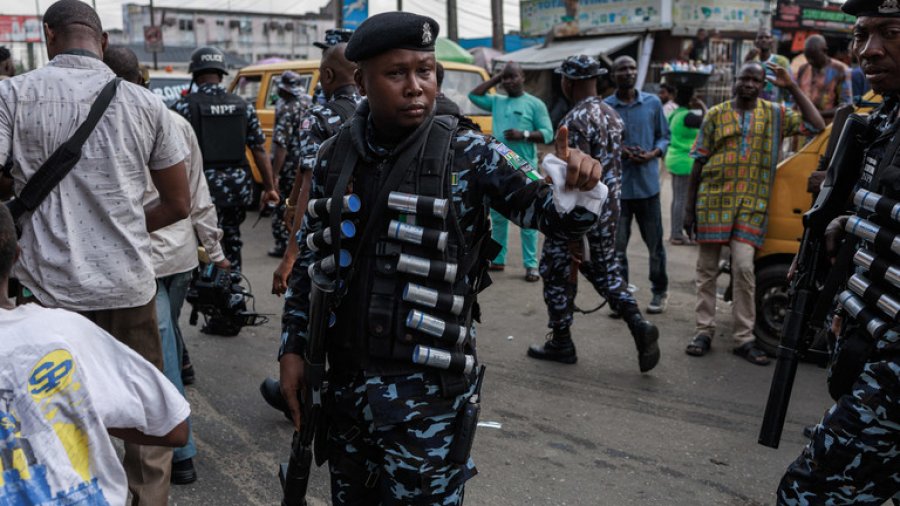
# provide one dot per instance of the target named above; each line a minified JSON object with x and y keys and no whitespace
{"x":872,"y":8}
{"x":392,"y":30}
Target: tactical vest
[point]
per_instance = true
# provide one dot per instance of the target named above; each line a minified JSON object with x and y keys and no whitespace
{"x":872,"y":263}
{"x":343,"y":107}
{"x":220,"y":122}
{"x":379,"y":333}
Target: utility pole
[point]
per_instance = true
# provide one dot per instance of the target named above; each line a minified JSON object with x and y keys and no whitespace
{"x":338,"y":13}
{"x":497,"y":25}
{"x":452,"y":28}
{"x":153,"y":23}
{"x":399,"y":5}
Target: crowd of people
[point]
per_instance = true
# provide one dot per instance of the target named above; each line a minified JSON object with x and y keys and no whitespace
{"x":109,"y":194}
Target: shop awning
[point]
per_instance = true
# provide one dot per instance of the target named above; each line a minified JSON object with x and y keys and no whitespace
{"x":541,"y":58}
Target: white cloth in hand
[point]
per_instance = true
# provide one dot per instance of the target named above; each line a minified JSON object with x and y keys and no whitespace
{"x":566,"y":200}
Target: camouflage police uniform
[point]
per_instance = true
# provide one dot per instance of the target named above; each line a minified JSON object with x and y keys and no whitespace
{"x":319,"y":123}
{"x":288,"y":116}
{"x":594,"y":128}
{"x":389,"y":434}
{"x":853,"y":456}
{"x":231,"y":188}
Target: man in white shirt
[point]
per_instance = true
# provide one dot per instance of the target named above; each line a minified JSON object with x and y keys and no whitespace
{"x":65,"y":383}
{"x":175,"y":252}
{"x":86,"y":248}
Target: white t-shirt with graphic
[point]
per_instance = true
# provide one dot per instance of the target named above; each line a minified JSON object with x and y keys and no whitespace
{"x":63,"y":381}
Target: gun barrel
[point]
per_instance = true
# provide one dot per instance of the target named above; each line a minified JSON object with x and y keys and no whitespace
{"x":295,"y":476}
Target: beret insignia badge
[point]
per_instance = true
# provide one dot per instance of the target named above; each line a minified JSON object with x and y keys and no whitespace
{"x":427,"y":37}
{"x":889,"y":7}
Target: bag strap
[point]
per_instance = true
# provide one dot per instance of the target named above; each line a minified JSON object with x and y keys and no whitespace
{"x":50,"y":174}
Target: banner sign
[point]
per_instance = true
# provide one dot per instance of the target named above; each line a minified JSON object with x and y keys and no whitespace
{"x":812,"y":16}
{"x":153,"y":39}
{"x":721,"y":15}
{"x":20,"y":29}
{"x":588,"y":17}
{"x":354,"y":13}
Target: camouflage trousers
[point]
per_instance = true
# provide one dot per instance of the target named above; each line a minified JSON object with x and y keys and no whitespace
{"x":603,"y":271}
{"x":280,"y":231}
{"x":388,"y":441}
{"x":230,"y":219}
{"x":854,"y":454}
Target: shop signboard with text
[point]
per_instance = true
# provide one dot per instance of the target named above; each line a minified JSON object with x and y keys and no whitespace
{"x":812,"y":16}
{"x":590,"y":17}
{"x":20,"y":29}
{"x":721,"y":15}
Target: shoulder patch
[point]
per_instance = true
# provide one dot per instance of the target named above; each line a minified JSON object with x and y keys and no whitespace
{"x":516,"y":161}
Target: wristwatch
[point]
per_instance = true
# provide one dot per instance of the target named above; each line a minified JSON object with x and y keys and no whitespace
{"x":527,"y":134}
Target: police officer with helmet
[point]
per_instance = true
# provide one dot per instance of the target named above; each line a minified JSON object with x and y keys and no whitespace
{"x":292,"y":103}
{"x":225,"y":123}
{"x":853,"y":457}
{"x":401,"y":347}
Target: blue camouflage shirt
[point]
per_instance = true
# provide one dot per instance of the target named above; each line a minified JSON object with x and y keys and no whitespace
{"x":485,"y":173}
{"x":313,"y":130}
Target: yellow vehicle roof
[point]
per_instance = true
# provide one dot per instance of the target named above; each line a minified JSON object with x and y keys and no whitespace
{"x":294,"y":64}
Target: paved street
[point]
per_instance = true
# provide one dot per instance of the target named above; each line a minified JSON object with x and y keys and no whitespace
{"x":594,"y":433}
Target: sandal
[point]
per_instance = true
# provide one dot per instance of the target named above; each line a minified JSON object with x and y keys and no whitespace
{"x":532,"y":275}
{"x":679,"y":241}
{"x":496,"y":267}
{"x":751,"y":353}
{"x":699,"y":346}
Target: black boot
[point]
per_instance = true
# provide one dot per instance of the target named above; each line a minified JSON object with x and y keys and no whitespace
{"x":645,"y":336}
{"x":271,"y":392}
{"x":558,"y":347}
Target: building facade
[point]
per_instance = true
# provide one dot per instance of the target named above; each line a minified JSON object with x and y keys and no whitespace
{"x":250,"y":36}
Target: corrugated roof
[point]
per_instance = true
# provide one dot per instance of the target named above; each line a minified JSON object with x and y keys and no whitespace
{"x":542,"y":58}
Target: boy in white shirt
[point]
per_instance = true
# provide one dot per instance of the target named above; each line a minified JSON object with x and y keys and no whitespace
{"x":64,"y":384}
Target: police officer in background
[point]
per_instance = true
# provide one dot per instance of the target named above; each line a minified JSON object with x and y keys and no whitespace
{"x":594,"y":128}
{"x":320,"y":122}
{"x":392,"y":416}
{"x":853,"y":457}
{"x":224,"y":124}
{"x":292,"y":102}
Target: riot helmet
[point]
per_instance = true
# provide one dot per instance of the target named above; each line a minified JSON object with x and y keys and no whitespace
{"x":206,"y":59}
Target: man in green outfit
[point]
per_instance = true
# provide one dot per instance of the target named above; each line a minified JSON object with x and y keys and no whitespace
{"x":520,"y":121}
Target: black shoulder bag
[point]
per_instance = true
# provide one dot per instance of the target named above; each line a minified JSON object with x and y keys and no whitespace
{"x":55,"y":168}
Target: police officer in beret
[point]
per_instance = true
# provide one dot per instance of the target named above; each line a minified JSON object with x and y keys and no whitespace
{"x":401,"y":349}
{"x":853,"y":456}
{"x":319,"y":122}
{"x":289,"y":108}
{"x":595,"y":128}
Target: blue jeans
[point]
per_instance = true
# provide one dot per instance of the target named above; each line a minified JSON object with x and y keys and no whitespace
{"x":170,"y":294}
{"x":648,"y":214}
{"x":529,"y":241}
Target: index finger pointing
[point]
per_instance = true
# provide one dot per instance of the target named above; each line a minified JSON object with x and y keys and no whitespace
{"x":562,"y":143}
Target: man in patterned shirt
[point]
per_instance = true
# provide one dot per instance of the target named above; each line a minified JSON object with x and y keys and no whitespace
{"x":823,"y":79}
{"x":734,"y":166}
{"x":594,"y":128}
{"x":292,"y":101}
{"x":224,"y":124}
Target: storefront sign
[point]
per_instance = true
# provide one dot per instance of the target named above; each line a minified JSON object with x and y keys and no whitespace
{"x":721,"y":15}
{"x":20,"y":29}
{"x":814,"y":16}
{"x":589,"y":17}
